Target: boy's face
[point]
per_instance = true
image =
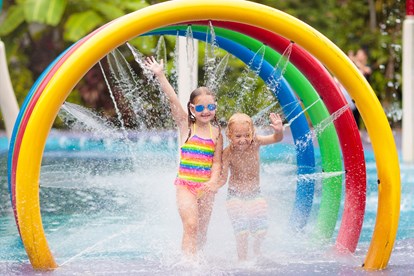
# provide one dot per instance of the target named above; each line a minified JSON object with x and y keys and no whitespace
{"x":240,"y":136}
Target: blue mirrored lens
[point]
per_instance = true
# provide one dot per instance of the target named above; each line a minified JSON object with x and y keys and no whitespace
{"x":211,"y":107}
{"x":199,"y":108}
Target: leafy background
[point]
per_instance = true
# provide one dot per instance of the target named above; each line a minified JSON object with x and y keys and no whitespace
{"x":35,"y":32}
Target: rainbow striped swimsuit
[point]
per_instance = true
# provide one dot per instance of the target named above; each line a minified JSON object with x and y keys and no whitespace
{"x":196,"y":159}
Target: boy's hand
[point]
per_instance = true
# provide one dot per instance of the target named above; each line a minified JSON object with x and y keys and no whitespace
{"x":210,"y":187}
{"x":276,"y":122}
{"x":154,"y":66}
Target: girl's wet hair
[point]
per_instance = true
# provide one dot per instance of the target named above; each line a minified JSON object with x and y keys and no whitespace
{"x":202,"y":90}
{"x":240,"y":118}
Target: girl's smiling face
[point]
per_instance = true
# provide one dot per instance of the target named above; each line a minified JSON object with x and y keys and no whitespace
{"x":208,"y":103}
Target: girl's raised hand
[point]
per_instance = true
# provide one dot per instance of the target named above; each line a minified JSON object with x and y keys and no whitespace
{"x":154,"y":66}
{"x":276,"y":122}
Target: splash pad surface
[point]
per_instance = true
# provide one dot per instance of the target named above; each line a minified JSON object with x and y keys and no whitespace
{"x":93,"y":211}
{"x":31,"y":140}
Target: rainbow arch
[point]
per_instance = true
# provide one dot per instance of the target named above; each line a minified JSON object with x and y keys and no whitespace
{"x":49,"y":92}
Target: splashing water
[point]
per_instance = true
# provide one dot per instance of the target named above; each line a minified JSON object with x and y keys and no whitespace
{"x":97,"y":244}
{"x":219,"y":73}
{"x":161,"y":50}
{"x":175,"y":67}
{"x":279,"y":70}
{"x":394,"y":112}
{"x":124,"y":82}
{"x":93,"y":247}
{"x":118,"y":112}
{"x":106,"y":214}
{"x":190,"y":47}
{"x":259,"y":118}
{"x":320,"y":127}
{"x":80,"y":118}
{"x":319,"y":176}
{"x":300,"y":113}
{"x":147,"y":98}
{"x":210,"y":56}
{"x":139,"y":58}
{"x":248,"y":79}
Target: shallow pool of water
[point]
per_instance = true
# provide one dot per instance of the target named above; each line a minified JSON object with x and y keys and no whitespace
{"x":109,"y":208}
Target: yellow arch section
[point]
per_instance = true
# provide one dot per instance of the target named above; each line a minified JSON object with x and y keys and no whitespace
{"x":125,"y":28}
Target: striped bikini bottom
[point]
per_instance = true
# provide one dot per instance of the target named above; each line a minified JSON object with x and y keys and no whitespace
{"x":193,"y":187}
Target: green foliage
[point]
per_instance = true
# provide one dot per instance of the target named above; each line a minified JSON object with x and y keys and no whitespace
{"x":22,"y":81}
{"x":374,"y":24}
{"x":36,"y":30}
{"x":86,"y":16}
{"x":131,"y":6}
{"x":15,"y":17}
{"x":47,"y":12}
{"x":44,"y":11}
{"x":109,"y":11}
{"x":80,"y":24}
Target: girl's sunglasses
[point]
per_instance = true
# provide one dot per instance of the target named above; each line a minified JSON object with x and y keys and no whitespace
{"x":200,"y":107}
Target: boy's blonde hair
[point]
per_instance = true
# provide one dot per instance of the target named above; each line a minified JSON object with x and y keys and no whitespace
{"x":240,"y":118}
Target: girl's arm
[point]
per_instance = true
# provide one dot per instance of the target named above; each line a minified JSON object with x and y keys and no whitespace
{"x":277,"y":136}
{"x":178,"y":112}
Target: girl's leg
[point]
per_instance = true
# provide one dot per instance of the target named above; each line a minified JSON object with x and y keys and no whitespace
{"x":187,"y":207}
{"x":205,"y":207}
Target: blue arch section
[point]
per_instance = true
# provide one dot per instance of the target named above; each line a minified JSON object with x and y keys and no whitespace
{"x":305,"y":157}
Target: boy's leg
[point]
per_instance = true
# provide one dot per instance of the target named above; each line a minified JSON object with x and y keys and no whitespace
{"x":187,"y":208}
{"x":242,"y":245}
{"x":258,"y":222}
{"x":239,"y":220}
{"x":257,"y":243}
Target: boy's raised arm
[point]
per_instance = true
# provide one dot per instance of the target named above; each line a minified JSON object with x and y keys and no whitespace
{"x":277,"y":136}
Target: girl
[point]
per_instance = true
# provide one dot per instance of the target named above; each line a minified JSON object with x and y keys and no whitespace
{"x":246,"y":207}
{"x":200,"y":158}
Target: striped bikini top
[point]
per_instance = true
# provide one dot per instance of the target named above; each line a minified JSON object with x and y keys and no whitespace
{"x":196,"y":158}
